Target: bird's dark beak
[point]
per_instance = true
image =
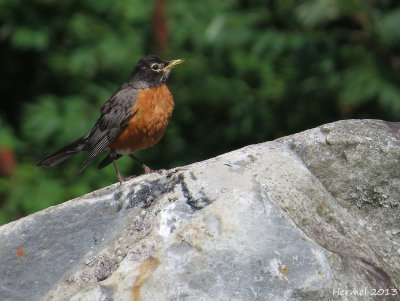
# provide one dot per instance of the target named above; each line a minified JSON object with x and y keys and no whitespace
{"x":172,"y":64}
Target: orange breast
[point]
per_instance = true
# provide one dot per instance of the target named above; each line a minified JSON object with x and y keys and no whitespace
{"x":151,"y":113}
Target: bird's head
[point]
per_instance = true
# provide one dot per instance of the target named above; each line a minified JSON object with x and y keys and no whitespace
{"x":152,"y":71}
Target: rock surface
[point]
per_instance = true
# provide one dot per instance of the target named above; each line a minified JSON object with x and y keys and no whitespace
{"x":312,"y":216}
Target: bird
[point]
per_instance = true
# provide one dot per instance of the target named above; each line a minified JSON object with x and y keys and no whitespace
{"x":134,"y":118}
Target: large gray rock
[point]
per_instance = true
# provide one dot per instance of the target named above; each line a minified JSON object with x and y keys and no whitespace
{"x":311,"y":216}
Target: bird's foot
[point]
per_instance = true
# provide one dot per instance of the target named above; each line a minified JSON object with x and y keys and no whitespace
{"x":121,"y":179}
{"x":128,"y":178}
{"x":148,"y":170}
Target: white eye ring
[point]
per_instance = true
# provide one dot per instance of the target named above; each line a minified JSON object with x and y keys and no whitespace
{"x":155,"y":67}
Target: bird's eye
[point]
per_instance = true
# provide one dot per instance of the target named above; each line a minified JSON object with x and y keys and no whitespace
{"x":155,"y":67}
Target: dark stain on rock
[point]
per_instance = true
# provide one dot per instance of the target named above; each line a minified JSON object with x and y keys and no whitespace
{"x":194,"y":203}
{"x":185,"y":190}
{"x":201,"y":202}
{"x":145,"y":194}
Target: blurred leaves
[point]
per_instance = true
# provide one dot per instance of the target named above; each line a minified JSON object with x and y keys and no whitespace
{"x":255,"y":70}
{"x":7,"y":136}
{"x":26,"y":38}
{"x":388,"y":28}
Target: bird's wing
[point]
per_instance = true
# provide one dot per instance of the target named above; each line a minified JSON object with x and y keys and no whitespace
{"x":115,"y":116}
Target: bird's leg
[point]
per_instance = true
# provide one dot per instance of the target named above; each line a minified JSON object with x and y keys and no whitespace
{"x":120,"y":178}
{"x":147,"y":169}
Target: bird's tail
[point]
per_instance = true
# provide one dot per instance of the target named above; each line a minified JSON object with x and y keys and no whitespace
{"x":64,"y":153}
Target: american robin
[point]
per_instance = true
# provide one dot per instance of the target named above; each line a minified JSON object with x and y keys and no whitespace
{"x":134,"y":118}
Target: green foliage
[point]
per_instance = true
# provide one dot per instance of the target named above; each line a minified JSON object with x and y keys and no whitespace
{"x":254,"y":71}
{"x":7,"y":136}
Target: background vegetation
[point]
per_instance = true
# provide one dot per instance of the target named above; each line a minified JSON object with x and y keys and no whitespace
{"x":255,"y":70}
